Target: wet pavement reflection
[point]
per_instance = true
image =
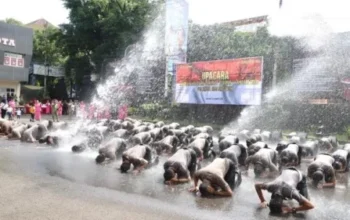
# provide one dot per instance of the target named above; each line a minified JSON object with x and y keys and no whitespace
{"x":147,"y":189}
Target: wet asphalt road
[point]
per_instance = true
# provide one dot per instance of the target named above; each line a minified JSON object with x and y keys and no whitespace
{"x":44,"y":183}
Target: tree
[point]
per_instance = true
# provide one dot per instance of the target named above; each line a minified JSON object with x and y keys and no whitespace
{"x":99,"y":30}
{"x":45,"y":48}
{"x":13,"y":21}
{"x":59,"y":90}
{"x":47,"y":52}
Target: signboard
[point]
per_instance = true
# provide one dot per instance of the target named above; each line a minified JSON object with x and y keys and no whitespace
{"x":53,"y":71}
{"x":7,"y":41}
{"x":220,"y":82}
{"x":176,"y":27}
{"x":14,"y":60}
{"x":318,"y":101}
{"x":176,"y":35}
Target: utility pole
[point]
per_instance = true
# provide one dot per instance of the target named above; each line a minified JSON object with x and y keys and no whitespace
{"x":46,"y":62}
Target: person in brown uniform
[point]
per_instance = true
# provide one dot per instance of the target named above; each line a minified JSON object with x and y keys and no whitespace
{"x":291,"y":184}
{"x":321,"y":169}
{"x":111,"y":150}
{"x":264,"y":161}
{"x":16,"y":133}
{"x":140,"y":156}
{"x":34,"y":133}
{"x":218,"y":178}
{"x":180,"y":167}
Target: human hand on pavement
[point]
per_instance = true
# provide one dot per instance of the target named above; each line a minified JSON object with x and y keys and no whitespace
{"x":263,"y":204}
{"x":135,"y":172}
{"x":193,"y":189}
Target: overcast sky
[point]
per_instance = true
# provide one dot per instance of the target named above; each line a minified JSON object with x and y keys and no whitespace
{"x":335,"y":12}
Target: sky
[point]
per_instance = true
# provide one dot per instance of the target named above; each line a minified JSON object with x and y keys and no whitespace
{"x":334,"y":12}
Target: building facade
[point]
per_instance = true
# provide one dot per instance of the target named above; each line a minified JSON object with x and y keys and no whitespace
{"x":249,"y":24}
{"x":16,"y":50}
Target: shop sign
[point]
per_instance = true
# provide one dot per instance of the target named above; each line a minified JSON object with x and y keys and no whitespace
{"x":7,"y":41}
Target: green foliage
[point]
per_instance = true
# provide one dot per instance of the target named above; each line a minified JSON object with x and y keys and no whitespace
{"x":347,"y":132}
{"x":13,"y":21}
{"x":100,"y":29}
{"x":132,"y":111}
{"x":45,"y":48}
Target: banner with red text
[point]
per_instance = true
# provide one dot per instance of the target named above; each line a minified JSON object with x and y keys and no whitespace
{"x":220,"y":82}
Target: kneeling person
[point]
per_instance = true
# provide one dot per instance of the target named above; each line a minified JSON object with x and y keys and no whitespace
{"x":180,"y":167}
{"x":111,"y":150}
{"x":49,"y":140}
{"x":291,"y":184}
{"x":218,"y":178}
{"x":291,"y":155}
{"x":139,"y":156}
{"x":341,"y":160}
{"x":321,"y":169}
{"x":237,"y":153}
{"x":265,"y":159}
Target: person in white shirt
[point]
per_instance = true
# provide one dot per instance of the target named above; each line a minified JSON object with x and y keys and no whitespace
{"x":18,"y":113}
{"x":9,"y":112}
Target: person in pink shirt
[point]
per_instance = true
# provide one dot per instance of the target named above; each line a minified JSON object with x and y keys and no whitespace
{"x":48,"y":107}
{"x":92,"y":110}
{"x":107,"y":112}
{"x":37,"y":107}
{"x":60,"y":108}
{"x":12,"y":104}
{"x":99,"y":113}
{"x":123,"y":112}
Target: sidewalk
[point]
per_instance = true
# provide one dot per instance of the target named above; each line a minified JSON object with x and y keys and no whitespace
{"x":26,"y":118}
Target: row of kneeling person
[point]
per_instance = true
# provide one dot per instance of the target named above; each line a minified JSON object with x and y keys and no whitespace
{"x":38,"y":132}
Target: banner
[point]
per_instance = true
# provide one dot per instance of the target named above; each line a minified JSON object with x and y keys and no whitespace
{"x":176,"y":27}
{"x":14,"y":60}
{"x":53,"y":70}
{"x":176,"y":35}
{"x":220,"y":82}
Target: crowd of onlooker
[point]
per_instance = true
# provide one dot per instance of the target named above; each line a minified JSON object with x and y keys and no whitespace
{"x":54,"y":107}
{"x":10,"y":109}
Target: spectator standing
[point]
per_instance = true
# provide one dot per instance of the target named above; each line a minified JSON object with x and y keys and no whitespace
{"x":4,"y":106}
{"x":12,"y":104}
{"x":19,"y":113}
{"x":60,"y":107}
{"x":37,"y":107}
{"x":48,"y":107}
{"x":9,"y":112}
{"x":65,"y":108}
{"x":54,"y":110}
{"x":123,"y":112}
{"x":32,"y":112}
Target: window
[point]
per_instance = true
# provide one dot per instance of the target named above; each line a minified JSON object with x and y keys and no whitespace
{"x":10,"y":92}
{"x":15,"y":60}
